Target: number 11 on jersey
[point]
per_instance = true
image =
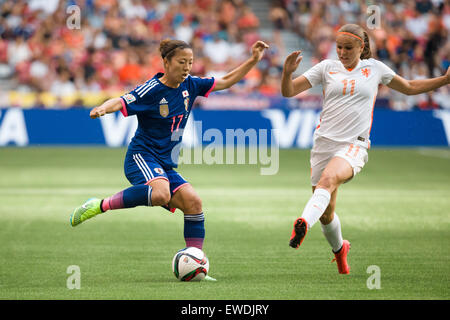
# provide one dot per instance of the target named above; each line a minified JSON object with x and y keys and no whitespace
{"x":352,"y":83}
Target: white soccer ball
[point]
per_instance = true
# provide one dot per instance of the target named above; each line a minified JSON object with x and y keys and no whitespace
{"x":190,"y":264}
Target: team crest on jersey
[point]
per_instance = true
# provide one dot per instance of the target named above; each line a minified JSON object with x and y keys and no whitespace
{"x":186,"y":104}
{"x":163,"y":108}
{"x":129,"y":98}
{"x":365,"y":72}
{"x":185,"y":93}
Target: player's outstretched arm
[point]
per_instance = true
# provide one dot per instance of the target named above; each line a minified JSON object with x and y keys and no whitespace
{"x":289,"y":87}
{"x":237,"y":74}
{"x":109,"y":106}
{"x":412,"y":87}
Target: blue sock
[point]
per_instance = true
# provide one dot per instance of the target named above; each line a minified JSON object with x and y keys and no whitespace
{"x":140,"y":195}
{"x":194,"y":230}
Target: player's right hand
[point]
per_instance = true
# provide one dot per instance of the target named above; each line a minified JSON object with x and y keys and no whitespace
{"x":292,"y":61}
{"x":97,"y":112}
{"x":258,"y":49}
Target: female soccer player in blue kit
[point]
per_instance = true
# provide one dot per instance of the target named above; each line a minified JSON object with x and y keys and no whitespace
{"x":162,"y":106}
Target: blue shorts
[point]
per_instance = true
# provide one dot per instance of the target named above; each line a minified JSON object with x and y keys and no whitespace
{"x":142,"y":168}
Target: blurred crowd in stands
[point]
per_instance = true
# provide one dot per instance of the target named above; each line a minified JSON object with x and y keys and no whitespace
{"x":412,"y":37}
{"x":50,"y":56}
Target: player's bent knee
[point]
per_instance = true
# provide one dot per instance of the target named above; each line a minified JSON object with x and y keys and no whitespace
{"x":193,"y":205}
{"x":196,"y":205}
{"x":160,"y":197}
{"x":328,"y":182}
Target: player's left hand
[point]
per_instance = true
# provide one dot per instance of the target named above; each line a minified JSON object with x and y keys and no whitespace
{"x":258,"y":49}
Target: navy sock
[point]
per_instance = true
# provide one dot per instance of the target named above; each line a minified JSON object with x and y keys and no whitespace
{"x":140,"y":195}
{"x":194,"y":230}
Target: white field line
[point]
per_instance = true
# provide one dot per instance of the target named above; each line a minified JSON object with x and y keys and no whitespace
{"x":436,"y":153}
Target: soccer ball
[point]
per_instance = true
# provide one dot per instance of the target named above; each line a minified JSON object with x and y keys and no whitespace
{"x":190,"y":264}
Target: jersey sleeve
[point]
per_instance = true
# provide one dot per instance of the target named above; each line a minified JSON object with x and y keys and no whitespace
{"x":315,"y":74}
{"x":137,"y":100}
{"x":386,"y":73}
{"x":204,"y":86}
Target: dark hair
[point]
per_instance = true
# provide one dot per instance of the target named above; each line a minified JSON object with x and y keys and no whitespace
{"x":168,"y":47}
{"x":360,"y":33}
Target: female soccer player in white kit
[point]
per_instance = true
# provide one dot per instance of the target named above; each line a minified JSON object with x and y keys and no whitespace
{"x":341,"y":140}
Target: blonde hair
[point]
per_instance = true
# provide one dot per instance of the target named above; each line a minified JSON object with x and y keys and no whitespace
{"x":362,"y":35}
{"x":168,"y":47}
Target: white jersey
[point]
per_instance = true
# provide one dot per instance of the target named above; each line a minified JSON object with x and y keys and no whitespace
{"x":349,"y":97}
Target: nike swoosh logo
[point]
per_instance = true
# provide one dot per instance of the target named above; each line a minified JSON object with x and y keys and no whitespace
{"x":317,"y":207}
{"x":333,"y":72}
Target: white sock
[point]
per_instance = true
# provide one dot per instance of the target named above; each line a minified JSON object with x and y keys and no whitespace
{"x":316,"y":206}
{"x":333,"y":233}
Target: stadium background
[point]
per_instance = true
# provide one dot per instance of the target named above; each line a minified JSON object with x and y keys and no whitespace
{"x":54,"y":57}
{"x":51,"y":75}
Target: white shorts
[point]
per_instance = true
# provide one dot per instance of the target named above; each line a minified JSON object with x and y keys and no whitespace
{"x":325,"y":149}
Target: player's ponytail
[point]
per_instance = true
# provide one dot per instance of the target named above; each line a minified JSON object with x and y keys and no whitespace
{"x":168,"y":47}
{"x":367,"y":53}
{"x":360,"y":34}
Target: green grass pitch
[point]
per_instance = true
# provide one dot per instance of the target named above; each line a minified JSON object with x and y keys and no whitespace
{"x":395,"y":213}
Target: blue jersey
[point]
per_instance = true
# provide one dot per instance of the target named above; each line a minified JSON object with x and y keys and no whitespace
{"x":162,"y":112}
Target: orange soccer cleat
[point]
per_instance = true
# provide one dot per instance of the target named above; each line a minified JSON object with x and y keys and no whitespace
{"x":341,"y":258}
